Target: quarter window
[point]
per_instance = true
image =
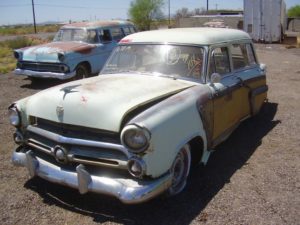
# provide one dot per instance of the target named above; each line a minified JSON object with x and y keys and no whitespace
{"x":219,"y":61}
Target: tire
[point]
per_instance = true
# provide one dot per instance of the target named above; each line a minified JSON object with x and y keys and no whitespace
{"x":81,"y":72}
{"x":180,"y":170}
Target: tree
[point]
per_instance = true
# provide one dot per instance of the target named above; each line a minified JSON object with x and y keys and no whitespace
{"x":182,"y":13}
{"x":143,"y":12}
{"x":294,"y":11}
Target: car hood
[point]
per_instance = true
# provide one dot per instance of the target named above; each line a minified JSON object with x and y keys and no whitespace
{"x":101,"y":102}
{"x":48,"y":52}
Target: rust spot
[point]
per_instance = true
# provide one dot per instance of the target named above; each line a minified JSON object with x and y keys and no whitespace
{"x":85,"y":49}
{"x":84,"y":99}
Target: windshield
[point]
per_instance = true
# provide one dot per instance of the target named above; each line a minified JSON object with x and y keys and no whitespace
{"x":89,"y":36}
{"x":169,"y":60}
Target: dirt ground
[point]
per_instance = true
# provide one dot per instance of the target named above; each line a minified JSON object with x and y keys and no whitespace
{"x":252,"y":178}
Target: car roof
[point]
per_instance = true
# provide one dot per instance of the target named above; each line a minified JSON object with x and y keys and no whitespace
{"x":98,"y":24}
{"x":198,"y":36}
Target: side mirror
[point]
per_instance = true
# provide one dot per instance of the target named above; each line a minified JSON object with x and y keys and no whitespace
{"x":263,"y":67}
{"x":215,"y":78}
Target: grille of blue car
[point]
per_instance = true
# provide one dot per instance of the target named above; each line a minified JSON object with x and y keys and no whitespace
{"x":41,"y":67}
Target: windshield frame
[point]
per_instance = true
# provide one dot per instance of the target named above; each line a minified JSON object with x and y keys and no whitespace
{"x":202,"y":79}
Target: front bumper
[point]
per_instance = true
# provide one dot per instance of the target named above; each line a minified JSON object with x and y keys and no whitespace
{"x":126,"y":190}
{"x":31,"y":73}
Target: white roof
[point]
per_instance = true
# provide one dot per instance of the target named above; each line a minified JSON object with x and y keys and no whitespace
{"x":198,"y":36}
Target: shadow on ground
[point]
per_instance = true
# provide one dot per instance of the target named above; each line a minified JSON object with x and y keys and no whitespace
{"x":41,"y":84}
{"x":204,"y":183}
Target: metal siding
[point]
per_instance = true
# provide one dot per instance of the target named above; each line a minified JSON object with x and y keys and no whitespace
{"x":267,"y":18}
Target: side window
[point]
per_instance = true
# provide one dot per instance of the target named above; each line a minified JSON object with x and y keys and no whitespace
{"x":250,"y":54}
{"x":132,"y":29}
{"x":219,"y":61}
{"x":105,"y":36}
{"x":117,"y":34}
{"x":92,"y":36}
{"x":239,"y":56}
{"x":126,"y":30}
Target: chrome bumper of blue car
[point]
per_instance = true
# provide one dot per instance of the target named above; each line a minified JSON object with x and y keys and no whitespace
{"x":128,"y":191}
{"x":31,"y":73}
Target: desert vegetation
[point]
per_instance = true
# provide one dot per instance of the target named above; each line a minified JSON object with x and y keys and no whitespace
{"x":7,"y":60}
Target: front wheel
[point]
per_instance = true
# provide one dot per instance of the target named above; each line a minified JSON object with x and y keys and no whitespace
{"x":81,"y":72}
{"x":180,"y":170}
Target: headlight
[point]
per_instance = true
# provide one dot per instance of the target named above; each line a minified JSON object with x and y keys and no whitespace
{"x":135,"y":138}
{"x":17,"y":55}
{"x":14,"y":116}
{"x":136,"y":167}
{"x":60,"y":57}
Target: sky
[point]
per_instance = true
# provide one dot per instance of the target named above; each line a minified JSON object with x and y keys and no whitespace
{"x":20,"y":11}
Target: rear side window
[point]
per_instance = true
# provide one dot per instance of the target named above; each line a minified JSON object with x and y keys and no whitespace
{"x":117,"y":34}
{"x":219,"y":61}
{"x":126,"y":30}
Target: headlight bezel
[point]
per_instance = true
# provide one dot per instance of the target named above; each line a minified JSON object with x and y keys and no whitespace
{"x":61,"y":56}
{"x":14,"y":112}
{"x":18,"y":55}
{"x":132,"y":130}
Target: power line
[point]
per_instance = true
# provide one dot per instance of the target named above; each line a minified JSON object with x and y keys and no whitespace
{"x":15,"y":5}
{"x":78,"y":7}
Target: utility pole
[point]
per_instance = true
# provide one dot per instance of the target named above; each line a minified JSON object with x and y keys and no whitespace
{"x":33,"y":16}
{"x":169,"y":14}
{"x":207,"y":6}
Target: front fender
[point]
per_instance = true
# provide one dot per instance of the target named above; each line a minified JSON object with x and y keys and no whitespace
{"x":172,"y":123}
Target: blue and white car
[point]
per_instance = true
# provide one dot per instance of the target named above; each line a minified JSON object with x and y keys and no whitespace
{"x":78,"y":50}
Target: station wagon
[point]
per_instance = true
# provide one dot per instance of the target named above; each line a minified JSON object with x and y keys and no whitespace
{"x":164,"y":100}
{"x":77,"y":51}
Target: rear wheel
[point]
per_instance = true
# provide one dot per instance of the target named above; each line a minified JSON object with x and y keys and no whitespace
{"x":180,"y":170}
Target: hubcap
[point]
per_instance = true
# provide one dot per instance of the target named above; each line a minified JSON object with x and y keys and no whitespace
{"x":180,"y":170}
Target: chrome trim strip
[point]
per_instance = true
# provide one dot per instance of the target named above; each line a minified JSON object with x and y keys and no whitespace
{"x":31,"y":73}
{"x":128,"y":191}
{"x":75,"y":141}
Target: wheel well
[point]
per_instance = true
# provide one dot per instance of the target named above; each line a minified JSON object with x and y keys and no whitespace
{"x":87,"y":65}
{"x":197,"y":146}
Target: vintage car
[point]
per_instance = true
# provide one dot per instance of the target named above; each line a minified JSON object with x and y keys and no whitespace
{"x":78,"y":50}
{"x":162,"y":102}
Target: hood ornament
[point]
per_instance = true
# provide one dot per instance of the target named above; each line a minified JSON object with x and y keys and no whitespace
{"x":59,"y":111}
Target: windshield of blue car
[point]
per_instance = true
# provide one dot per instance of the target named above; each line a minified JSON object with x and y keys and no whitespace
{"x":89,"y":36}
{"x":170,"y":60}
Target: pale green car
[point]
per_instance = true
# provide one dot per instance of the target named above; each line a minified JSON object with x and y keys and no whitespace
{"x":163,"y":101}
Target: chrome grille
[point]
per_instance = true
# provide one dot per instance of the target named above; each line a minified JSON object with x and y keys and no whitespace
{"x":41,"y":67}
{"x":74,"y":131}
{"x":44,"y":136}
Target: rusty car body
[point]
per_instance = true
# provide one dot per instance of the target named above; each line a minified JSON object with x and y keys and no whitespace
{"x":163,"y":101}
{"x":78,"y":50}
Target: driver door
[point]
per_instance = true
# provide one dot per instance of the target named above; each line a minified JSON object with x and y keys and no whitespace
{"x":227,"y":100}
